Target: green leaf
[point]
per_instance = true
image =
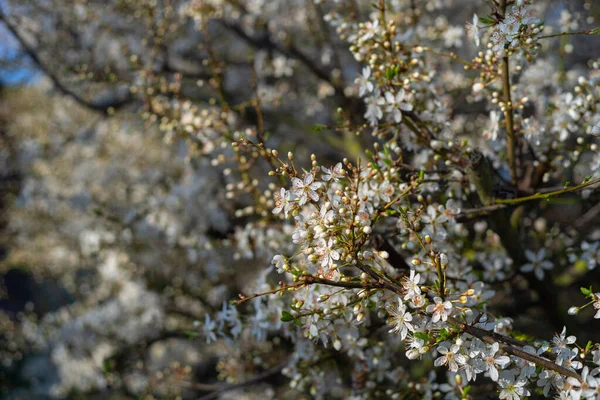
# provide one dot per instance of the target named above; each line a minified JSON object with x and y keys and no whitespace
{"x":444,"y":334}
{"x":422,"y":335}
{"x":586,"y":292}
{"x":567,"y":183}
{"x":297,"y":322}
{"x":389,"y":73}
{"x":489,"y":20}
{"x":107,"y":366}
{"x":286,"y":316}
{"x":319,"y":127}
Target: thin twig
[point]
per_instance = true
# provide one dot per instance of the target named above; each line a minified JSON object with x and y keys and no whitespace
{"x":547,"y":195}
{"x":583,"y":32}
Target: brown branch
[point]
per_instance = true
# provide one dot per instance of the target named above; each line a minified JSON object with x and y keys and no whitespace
{"x":507,"y":345}
{"x":311,"y":279}
{"x":585,"y":222}
{"x":471,"y":213}
{"x":243,"y":298}
{"x":260,"y":377}
{"x":395,"y":259}
{"x":105,"y":105}
{"x":291,"y":51}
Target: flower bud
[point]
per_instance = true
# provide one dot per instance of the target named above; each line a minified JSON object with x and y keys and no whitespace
{"x":323,"y":298}
{"x":573,"y":310}
{"x":436,"y":144}
{"x":337,"y":344}
{"x":443,"y":260}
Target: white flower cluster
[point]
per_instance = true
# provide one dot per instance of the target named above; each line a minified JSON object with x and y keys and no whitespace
{"x":508,"y":32}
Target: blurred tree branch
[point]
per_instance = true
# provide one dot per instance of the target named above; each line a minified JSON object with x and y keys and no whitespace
{"x":118,"y":97}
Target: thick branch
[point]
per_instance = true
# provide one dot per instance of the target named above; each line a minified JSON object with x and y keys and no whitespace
{"x":480,"y":174}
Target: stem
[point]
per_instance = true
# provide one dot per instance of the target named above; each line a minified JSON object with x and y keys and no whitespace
{"x":451,"y":55}
{"x":508,"y":113}
{"x":584,"y":32}
{"x":281,"y":289}
{"x":547,"y":195}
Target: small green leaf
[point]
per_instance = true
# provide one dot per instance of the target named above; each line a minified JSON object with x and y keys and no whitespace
{"x":586,"y":292}
{"x":422,"y":335}
{"x":489,"y":20}
{"x":389,"y":73}
{"x":319,"y":127}
{"x":107,"y":366}
{"x":567,"y":183}
{"x":297,"y":322}
{"x":286,"y":316}
{"x":444,"y":334}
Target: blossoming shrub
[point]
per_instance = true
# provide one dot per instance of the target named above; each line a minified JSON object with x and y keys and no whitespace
{"x":428,"y":203}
